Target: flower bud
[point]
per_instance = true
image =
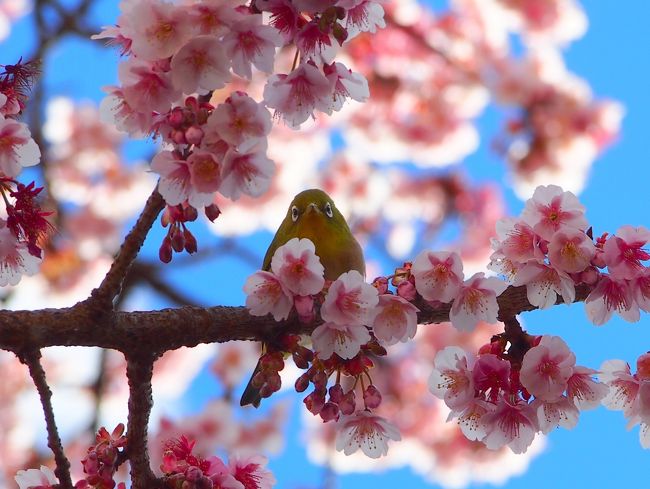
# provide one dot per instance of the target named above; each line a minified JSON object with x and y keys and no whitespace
{"x":329,"y":412}
{"x":314,"y":402}
{"x":348,"y":404}
{"x":336,"y":393}
{"x":191,"y":245}
{"x":212,"y":212}
{"x":302,"y":383}
{"x":371,"y":397}
{"x":177,"y":240}
{"x":165,"y":251}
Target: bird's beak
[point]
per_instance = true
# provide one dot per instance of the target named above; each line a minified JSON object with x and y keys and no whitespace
{"x":313,"y":208}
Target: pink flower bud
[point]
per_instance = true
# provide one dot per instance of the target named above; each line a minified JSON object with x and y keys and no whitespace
{"x":336,"y":393}
{"x":165,"y":251}
{"x":314,"y":402}
{"x":406,"y":290}
{"x":191,"y":245}
{"x":212,"y":212}
{"x":190,"y":214}
{"x":643,"y":366}
{"x":178,"y":241}
{"x":300,"y":361}
{"x":302,"y":383}
{"x":348,"y":404}
{"x":304,"y":307}
{"x":194,"y":135}
{"x":178,"y":137}
{"x":329,"y":412}
{"x":371,"y":397}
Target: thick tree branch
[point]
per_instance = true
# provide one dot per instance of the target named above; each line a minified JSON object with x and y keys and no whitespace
{"x":31,"y":358}
{"x":112,"y":283}
{"x":139,"y":369}
{"x":169,"y":329}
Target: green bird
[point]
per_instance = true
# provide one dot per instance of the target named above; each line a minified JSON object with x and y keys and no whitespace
{"x":313,"y":215}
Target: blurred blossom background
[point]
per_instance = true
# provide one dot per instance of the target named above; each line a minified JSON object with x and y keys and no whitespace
{"x":473,"y":104}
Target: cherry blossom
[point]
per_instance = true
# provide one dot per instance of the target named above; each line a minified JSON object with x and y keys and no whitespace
{"x":570,"y":250}
{"x":298,"y":267}
{"x":559,"y":412}
{"x":511,"y":423}
{"x":517,"y":241}
{"x":544,"y":284}
{"x":583,"y":390}
{"x":240,"y":121}
{"x":366,"y":432}
{"x":346,"y":84}
{"x":343,"y":339}
{"x":551,"y":208}
{"x":365,"y":16}
{"x":17,"y":148}
{"x":251,"y":471}
{"x":476,"y":301}
{"x":146,"y":87}
{"x":266,"y":294}
{"x":395,"y":319}
{"x":624,"y":252}
{"x":205,"y":173}
{"x":15,"y":258}
{"x":249,"y":42}
{"x":246,"y":173}
{"x":609,"y":296}
{"x":43,"y":478}
{"x":350,"y":300}
{"x":160,"y":28}
{"x":438,"y":275}
{"x":297,"y":95}
{"x":176,"y":179}
{"x":547,"y":367}
{"x":451,"y":378}
{"x":200,"y":65}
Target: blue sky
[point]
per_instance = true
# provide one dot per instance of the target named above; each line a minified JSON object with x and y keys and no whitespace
{"x":612,"y":56}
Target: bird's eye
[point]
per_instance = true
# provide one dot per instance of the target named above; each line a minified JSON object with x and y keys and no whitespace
{"x":294,"y":213}
{"x":328,"y":210}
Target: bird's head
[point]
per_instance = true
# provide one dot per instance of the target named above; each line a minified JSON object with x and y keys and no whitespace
{"x":313,"y":210}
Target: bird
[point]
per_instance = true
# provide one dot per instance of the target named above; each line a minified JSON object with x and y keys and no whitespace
{"x":313,"y":215}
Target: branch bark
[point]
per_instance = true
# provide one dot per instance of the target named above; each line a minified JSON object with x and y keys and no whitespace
{"x":169,"y":329}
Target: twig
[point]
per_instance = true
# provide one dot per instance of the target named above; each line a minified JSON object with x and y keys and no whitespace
{"x":31,"y":358}
{"x":112,"y":283}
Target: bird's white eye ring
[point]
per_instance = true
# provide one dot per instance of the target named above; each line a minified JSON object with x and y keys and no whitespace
{"x":328,"y":210}
{"x":294,"y":213}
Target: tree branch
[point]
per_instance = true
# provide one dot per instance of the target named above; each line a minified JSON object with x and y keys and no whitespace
{"x":169,"y":329}
{"x":31,"y":358}
{"x":112,"y":283}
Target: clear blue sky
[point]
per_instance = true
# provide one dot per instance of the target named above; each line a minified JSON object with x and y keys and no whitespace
{"x":613,"y":57}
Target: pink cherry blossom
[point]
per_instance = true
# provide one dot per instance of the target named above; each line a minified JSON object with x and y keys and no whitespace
{"x":624,"y":252}
{"x":220,"y":474}
{"x":640,"y":286}
{"x":212,"y":18}
{"x":43,"y":478}
{"x":17,"y":148}
{"x":551,"y":414}
{"x":512,"y":423}
{"x":297,"y":95}
{"x":15,"y":258}
{"x":200,"y":65}
{"x":251,"y":471}
{"x":160,"y":30}
{"x":343,"y":339}
{"x":205,"y":172}
{"x":551,"y":208}
{"x":451,"y":378}
{"x":365,"y":431}
{"x":517,"y":241}
{"x":249,"y":42}
{"x":395,"y":319}
{"x":609,"y":296}
{"x":345,"y":84}
{"x":298,"y":267}
{"x":314,"y":44}
{"x":350,"y":300}
{"x":570,"y":250}
{"x":366,"y":16}
{"x":470,"y":419}
{"x":476,"y":301}
{"x":248,"y":173}
{"x":241,"y":122}
{"x":145,"y":87}
{"x":547,"y":367}
{"x":284,"y":16}
{"x":438,"y":275}
{"x":115,"y":110}
{"x":583,"y":390}
{"x":267,"y":295}
{"x":544,"y":284}
{"x":176,"y":181}
{"x":623,"y":386}
{"x":491,"y":375}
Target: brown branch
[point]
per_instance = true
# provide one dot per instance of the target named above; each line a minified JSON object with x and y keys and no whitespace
{"x":139,"y":369}
{"x":169,"y":329}
{"x":31,"y":358}
{"x":112,"y":283}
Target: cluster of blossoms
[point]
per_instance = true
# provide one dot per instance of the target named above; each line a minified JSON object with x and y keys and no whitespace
{"x":514,"y":388}
{"x":549,"y":249}
{"x":184,"y":470}
{"x":629,"y":392}
{"x":25,"y":223}
{"x":180,"y":54}
{"x":100,"y":464}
